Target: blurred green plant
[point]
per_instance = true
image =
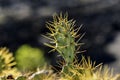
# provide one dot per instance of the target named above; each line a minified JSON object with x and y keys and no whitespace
{"x":29,"y":58}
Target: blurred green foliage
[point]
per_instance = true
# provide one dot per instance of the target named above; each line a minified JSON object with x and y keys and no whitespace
{"x":29,"y":58}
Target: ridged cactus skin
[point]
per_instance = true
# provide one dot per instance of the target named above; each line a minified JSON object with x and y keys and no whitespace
{"x":62,"y":37}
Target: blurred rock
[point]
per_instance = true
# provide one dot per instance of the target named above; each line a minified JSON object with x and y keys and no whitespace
{"x":114,"y":49}
{"x":46,"y":11}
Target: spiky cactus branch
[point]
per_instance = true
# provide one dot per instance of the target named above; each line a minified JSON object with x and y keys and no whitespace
{"x":62,"y":37}
{"x":7,"y":64}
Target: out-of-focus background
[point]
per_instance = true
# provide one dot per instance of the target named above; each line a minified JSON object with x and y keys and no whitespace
{"x":23,"y":22}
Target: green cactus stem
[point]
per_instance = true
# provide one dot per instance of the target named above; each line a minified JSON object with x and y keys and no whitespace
{"x":62,"y":37}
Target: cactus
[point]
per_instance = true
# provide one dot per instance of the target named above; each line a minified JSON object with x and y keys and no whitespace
{"x":62,"y":37}
{"x":86,"y":70}
{"x":7,"y":64}
{"x":6,"y":59}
